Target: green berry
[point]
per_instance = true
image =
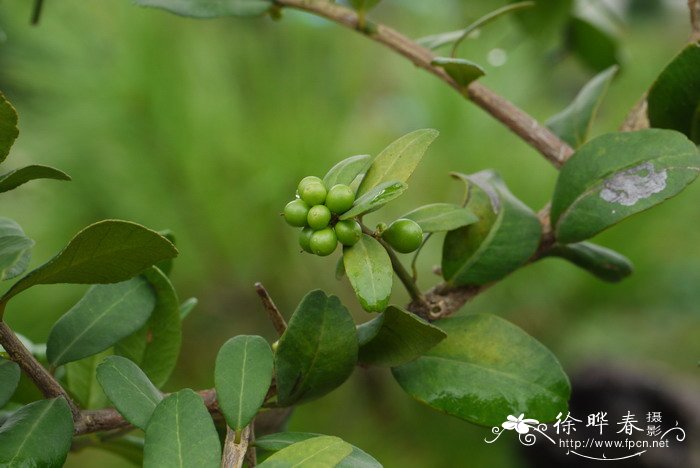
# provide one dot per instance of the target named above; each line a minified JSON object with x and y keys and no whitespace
{"x":305,"y":239}
{"x":404,"y":235}
{"x":312,"y":190}
{"x":340,"y":198}
{"x":319,"y":216}
{"x":348,"y":232}
{"x":324,"y":242}
{"x":296,"y":212}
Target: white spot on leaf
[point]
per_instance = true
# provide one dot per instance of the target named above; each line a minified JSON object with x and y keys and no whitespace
{"x":630,"y":186}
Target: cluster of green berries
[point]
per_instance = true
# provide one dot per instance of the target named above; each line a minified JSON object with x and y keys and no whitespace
{"x":316,"y":211}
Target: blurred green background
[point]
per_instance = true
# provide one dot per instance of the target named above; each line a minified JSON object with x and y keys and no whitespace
{"x":205,"y":127}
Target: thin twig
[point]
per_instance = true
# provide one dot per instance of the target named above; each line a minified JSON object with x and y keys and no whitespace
{"x":36,"y":12}
{"x":272,"y":311}
{"x":694,"y":7}
{"x":526,"y":127}
{"x":44,"y":381}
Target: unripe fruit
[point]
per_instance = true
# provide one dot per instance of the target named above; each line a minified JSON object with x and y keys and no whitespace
{"x":296,"y":212}
{"x":348,"y":232}
{"x":340,"y":198}
{"x":319,"y":216}
{"x":305,"y":239}
{"x":324,"y":242}
{"x":404,"y":235}
{"x":312,"y":190}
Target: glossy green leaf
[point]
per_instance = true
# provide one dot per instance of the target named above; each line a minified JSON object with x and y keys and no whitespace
{"x":441,"y":217}
{"x":276,"y":442}
{"x":14,"y":179}
{"x":81,"y":379}
{"x":317,"y":352}
{"x":617,"y":175}
{"x":375,"y":199}
{"x":8,"y":127}
{"x":242,"y":378}
{"x":106,"y":314}
{"x":129,"y":390}
{"x":368,"y":267}
{"x":485,"y":370}
{"x":606,"y":264}
{"x":38,"y":434}
{"x":461,"y":70}
{"x":15,"y":249}
{"x":322,"y":451}
{"x":591,"y":44}
{"x":347,"y":170}
{"x":398,"y":160}
{"x":105,"y":252}
{"x":674,"y":98}
{"x":166,"y":266}
{"x":156,"y":347}
{"x":210,"y":8}
{"x":504,"y":239}
{"x":9,"y":379}
{"x":187,"y":307}
{"x":181,"y":433}
{"x":395,"y":337}
{"x":574,"y":123}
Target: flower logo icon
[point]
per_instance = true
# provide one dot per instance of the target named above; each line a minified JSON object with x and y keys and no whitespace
{"x":521,"y":425}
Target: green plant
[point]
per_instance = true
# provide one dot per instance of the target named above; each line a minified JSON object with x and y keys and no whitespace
{"x":125,"y":332}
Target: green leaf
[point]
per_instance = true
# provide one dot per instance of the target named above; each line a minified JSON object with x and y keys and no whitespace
{"x":461,"y":70}
{"x":593,"y":45}
{"x":166,"y":266}
{"x":375,"y":199}
{"x":187,"y":307}
{"x":242,"y":378}
{"x":322,"y":451}
{"x":395,"y":337}
{"x":545,"y":19}
{"x":317,"y":352}
{"x":106,"y":252}
{"x":504,"y":239}
{"x":8,"y":127}
{"x":606,"y":264}
{"x":129,"y":390}
{"x":276,"y":442}
{"x":574,"y":123}
{"x":210,"y":8}
{"x":674,"y":98}
{"x":340,"y":269}
{"x":441,"y":217}
{"x":398,"y":160}
{"x":14,"y":179}
{"x":181,"y":433}
{"x":38,"y":434}
{"x":617,"y":175}
{"x":363,"y":5}
{"x":9,"y":379}
{"x":15,"y":249}
{"x":81,"y":377}
{"x":106,"y":314}
{"x":369,"y":270}
{"x":347,"y":170}
{"x":156,"y":347}
{"x":485,"y":370}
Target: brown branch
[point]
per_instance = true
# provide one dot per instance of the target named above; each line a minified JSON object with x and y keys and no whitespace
{"x":694,"y":7}
{"x":235,"y":447}
{"x":519,"y":122}
{"x":44,"y":381}
{"x":637,"y":116}
{"x":272,"y":311}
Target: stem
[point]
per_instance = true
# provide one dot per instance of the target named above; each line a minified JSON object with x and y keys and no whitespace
{"x":46,"y":382}
{"x":36,"y":12}
{"x":694,"y":7}
{"x":272,"y":311}
{"x":235,"y":450}
{"x":526,"y":127}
